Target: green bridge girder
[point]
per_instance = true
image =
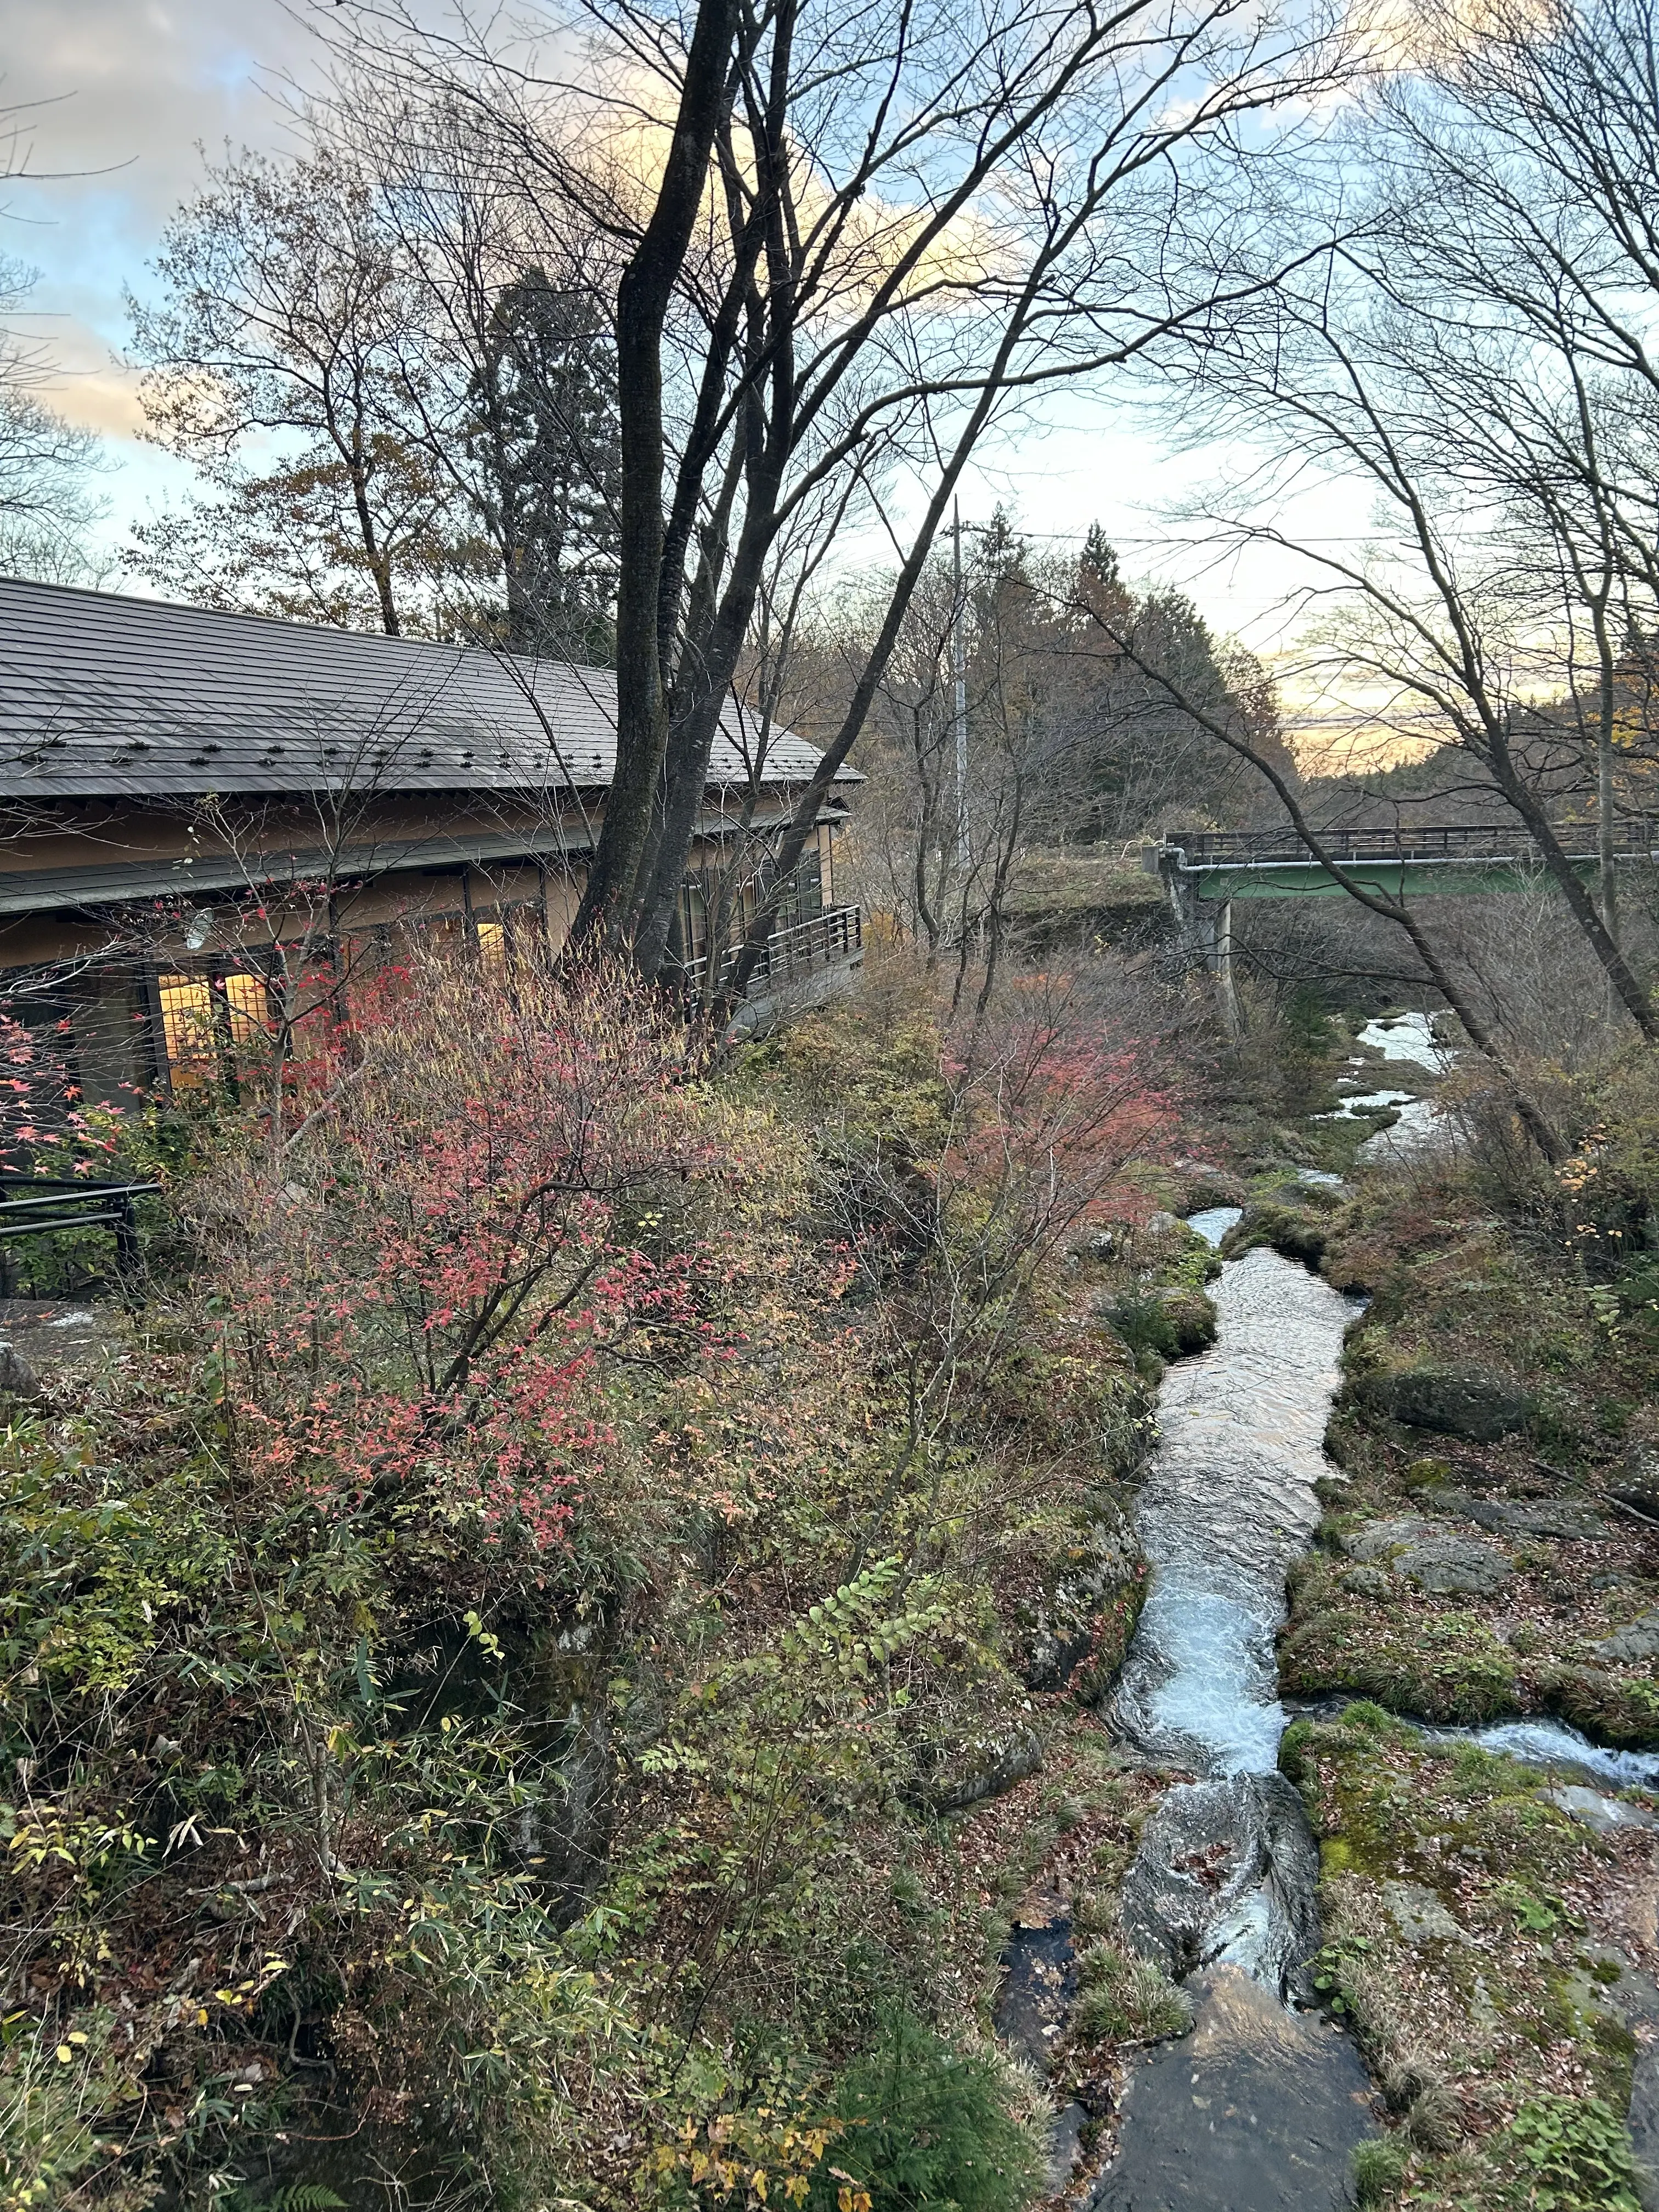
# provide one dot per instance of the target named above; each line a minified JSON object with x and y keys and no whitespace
{"x":1205,"y":870}
{"x":1221,"y":882}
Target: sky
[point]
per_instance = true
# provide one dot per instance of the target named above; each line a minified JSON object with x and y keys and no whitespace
{"x":115,"y":97}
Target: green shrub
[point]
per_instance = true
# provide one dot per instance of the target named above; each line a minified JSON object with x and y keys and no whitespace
{"x":1125,"y":2000}
{"x":929,"y":2130}
{"x":1575,"y":2155}
{"x":1144,"y":1323}
{"x":1168,"y":1322}
{"x":1379,"y":2167}
{"x":301,"y":2197}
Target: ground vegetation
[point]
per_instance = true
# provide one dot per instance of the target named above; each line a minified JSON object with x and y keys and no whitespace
{"x":536,"y":1649}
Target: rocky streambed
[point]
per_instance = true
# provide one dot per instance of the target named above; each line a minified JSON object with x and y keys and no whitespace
{"x":1263,"y":2103}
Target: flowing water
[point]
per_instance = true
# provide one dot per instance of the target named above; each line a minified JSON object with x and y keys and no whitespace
{"x":1262,"y":2105}
{"x":1228,"y":1505}
{"x":1408,"y":1037}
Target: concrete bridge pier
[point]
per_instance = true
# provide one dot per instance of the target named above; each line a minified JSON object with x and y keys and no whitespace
{"x":1203,"y":930}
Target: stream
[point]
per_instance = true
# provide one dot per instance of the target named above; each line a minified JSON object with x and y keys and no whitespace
{"x":1260,"y":2108}
{"x":1409,"y":1038}
{"x":1262,"y":2105}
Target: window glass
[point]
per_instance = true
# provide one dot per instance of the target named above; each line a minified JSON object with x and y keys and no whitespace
{"x":806,"y":892}
{"x":250,"y":1010}
{"x":187,"y":1030}
{"x":694,"y":921}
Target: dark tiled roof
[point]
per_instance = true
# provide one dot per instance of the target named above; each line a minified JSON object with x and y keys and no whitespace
{"x":103,"y":696}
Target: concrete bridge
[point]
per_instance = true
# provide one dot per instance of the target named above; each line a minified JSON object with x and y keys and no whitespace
{"x":1205,"y":871}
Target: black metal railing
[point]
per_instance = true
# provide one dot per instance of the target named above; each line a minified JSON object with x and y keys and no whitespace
{"x":794,"y":950}
{"x":1449,"y":842}
{"x":788,"y":954}
{"x":50,"y":1205}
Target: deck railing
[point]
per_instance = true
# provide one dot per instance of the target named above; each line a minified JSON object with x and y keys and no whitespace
{"x":1451,"y":842}
{"x":837,"y":933}
{"x":47,"y":1206}
{"x":796,"y":950}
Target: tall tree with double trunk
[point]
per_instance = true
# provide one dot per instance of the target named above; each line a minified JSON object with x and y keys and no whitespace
{"x":643,"y":299}
{"x":876,"y":233}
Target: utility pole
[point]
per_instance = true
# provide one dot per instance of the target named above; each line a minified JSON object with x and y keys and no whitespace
{"x":959,"y":671}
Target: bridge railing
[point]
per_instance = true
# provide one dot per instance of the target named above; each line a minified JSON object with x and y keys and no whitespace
{"x":1449,"y":841}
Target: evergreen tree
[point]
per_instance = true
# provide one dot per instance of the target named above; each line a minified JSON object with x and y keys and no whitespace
{"x":1099,"y":561}
{"x":546,"y":446}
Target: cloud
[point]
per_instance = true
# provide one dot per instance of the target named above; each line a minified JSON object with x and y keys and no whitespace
{"x":110,"y":99}
{"x":127,"y":89}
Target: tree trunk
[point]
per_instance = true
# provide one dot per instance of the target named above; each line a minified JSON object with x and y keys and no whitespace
{"x":1607,"y":825}
{"x":1525,"y":802}
{"x":642,"y":301}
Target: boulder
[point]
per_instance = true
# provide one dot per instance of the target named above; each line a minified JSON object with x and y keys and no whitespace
{"x":1456,"y":1566}
{"x":17,"y":1378}
{"x":1366,"y":1581}
{"x":1602,"y":1812}
{"x":982,"y":1768}
{"x":1636,"y":1640}
{"x":1290,"y":1230}
{"x":1638,"y":1482}
{"x":1098,"y":1246}
{"x":1090,"y":1605}
{"x":1314,"y":1188}
{"x":1454,"y":1401}
{"x":1217,"y":1859}
{"x":1191,"y":1318}
{"x":1430,"y":1555}
{"x":1539,"y":1516}
{"x":1379,"y":1541}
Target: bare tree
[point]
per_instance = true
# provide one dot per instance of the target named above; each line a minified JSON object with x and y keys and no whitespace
{"x":286,"y":318}
{"x":1238,"y":730}
{"x":1474,"y":346}
{"x":872,"y":234}
{"x":48,"y":500}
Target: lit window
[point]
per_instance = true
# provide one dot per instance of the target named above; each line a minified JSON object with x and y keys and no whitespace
{"x":187,"y":1028}
{"x":492,"y":943}
{"x":249,"y":1009}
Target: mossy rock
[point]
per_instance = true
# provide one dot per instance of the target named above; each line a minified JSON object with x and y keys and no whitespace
{"x":1192,"y":1317}
{"x":957,"y":1775}
{"x":1621,"y":1710}
{"x":1450,"y":1667}
{"x":1114,"y":1625}
{"x":1080,"y":1622}
{"x":1295,"y":1230}
{"x":1471,"y":1402}
{"x":1167,"y":1323}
